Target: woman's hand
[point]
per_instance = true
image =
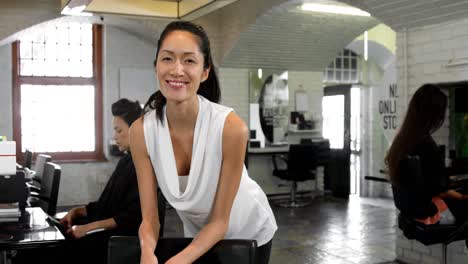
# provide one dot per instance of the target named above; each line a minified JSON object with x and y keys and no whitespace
{"x":454,"y":195}
{"x":148,"y":258}
{"x":176,"y":260}
{"x":77,"y":231}
{"x":67,"y":220}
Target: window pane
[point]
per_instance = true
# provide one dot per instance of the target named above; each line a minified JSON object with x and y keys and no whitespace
{"x":62,"y":68}
{"x":38,"y":37}
{"x":38,"y":67}
{"x":51,"y":51}
{"x":338,"y":63}
{"x":74,"y":51}
{"x":87,"y":70}
{"x":354,"y":76}
{"x":345,"y":76}
{"x":50,"y":124}
{"x":338,"y":76}
{"x":86,"y":53}
{"x":74,"y":67}
{"x":86,"y":34}
{"x":75,"y":36}
{"x":50,"y":35}
{"x":49,"y":67}
{"x":62,"y":33}
{"x":346,"y":62}
{"x":26,"y":67}
{"x":38,"y":51}
{"x":353,"y":63}
{"x":26,"y":50}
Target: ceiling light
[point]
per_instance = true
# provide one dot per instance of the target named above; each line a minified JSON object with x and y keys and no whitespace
{"x":181,"y":9}
{"x":75,"y":7}
{"x":335,"y":9}
{"x":76,"y":11}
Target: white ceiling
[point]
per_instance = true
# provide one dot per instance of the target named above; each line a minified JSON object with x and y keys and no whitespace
{"x":399,"y":14}
{"x":272,"y":36}
{"x":287,"y":38}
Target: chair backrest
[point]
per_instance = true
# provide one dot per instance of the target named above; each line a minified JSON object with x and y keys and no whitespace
{"x":27,"y":159}
{"x":303,"y":158}
{"x":39,"y":164}
{"x":127,"y":250}
{"x":409,"y":169}
{"x":50,"y":184}
{"x":161,"y":212}
{"x":13,"y":188}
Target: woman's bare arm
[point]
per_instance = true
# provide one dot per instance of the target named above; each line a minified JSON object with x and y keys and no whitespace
{"x":147,"y":187}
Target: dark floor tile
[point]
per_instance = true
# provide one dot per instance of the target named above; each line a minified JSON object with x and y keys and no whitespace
{"x":330,"y":230}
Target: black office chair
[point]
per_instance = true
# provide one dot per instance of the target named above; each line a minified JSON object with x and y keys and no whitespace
{"x":126,"y":250}
{"x":47,"y":196}
{"x":302,"y":162}
{"x":442,"y":233}
{"x":28,"y":155}
{"x":39,"y":164}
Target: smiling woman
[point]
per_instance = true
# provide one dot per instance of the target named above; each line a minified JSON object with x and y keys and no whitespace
{"x":193,"y":149}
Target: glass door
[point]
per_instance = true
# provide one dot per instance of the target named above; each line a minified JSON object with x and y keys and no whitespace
{"x":336,"y":114}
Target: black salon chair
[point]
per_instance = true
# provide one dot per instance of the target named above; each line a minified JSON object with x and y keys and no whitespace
{"x":126,"y":250}
{"x":302,"y":161}
{"x":443,"y":233}
{"x":47,"y":196}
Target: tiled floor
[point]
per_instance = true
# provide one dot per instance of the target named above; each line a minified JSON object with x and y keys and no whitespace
{"x":331,"y":230}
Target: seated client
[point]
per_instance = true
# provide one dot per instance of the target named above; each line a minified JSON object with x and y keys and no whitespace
{"x":117,"y":211}
{"x":424,"y":199}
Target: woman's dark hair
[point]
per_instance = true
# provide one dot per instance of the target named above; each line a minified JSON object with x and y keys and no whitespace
{"x":209,"y":88}
{"x":425,"y":114}
{"x":127,"y":110}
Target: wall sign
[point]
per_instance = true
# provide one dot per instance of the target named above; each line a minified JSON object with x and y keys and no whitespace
{"x":387,"y":108}
{"x":385,"y":102}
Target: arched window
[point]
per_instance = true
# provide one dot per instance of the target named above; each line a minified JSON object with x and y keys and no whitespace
{"x":343,"y":69}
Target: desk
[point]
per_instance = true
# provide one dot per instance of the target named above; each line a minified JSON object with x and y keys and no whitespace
{"x":33,"y":230}
{"x":268,"y":150}
{"x":459,"y":181}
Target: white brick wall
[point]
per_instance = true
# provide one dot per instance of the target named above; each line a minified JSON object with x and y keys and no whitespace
{"x":429,"y":49}
{"x":235,"y":90}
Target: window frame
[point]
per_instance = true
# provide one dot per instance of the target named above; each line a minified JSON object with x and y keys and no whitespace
{"x":96,"y":81}
{"x":343,"y":56}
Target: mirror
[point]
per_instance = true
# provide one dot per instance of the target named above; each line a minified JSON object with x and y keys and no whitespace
{"x":269,"y":101}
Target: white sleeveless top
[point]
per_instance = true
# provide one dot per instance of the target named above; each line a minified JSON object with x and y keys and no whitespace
{"x":251,"y":216}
